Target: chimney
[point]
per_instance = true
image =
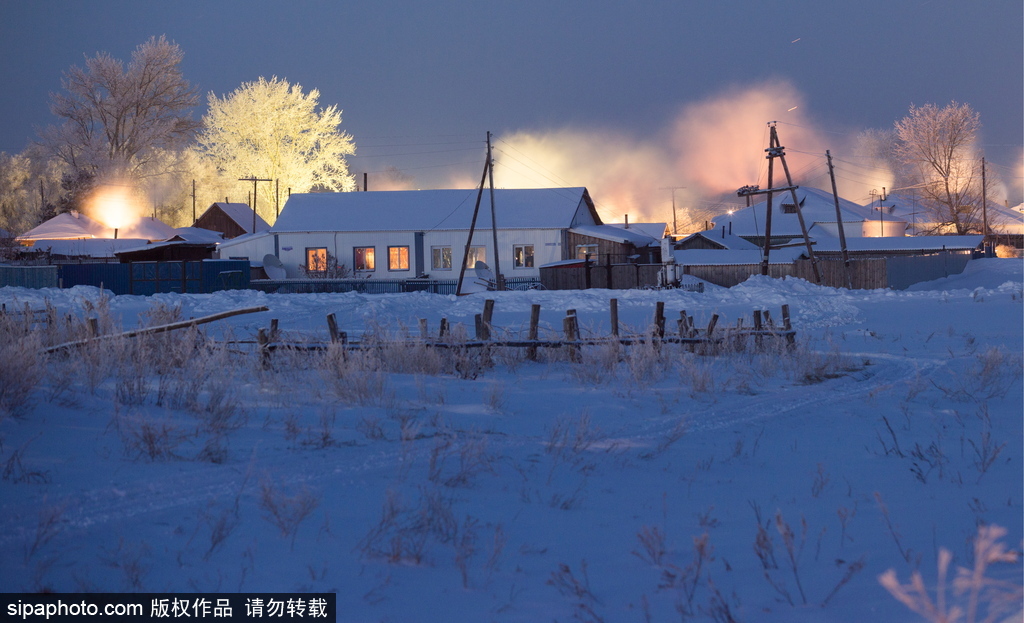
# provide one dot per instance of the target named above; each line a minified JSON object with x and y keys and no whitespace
{"x":627,"y":221}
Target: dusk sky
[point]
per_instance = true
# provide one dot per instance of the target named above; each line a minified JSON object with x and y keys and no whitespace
{"x":420,"y":83}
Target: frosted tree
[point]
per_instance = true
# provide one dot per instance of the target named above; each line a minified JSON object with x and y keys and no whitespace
{"x":271,"y":129}
{"x":15,"y":216}
{"x":30,"y":184}
{"x":937,"y":148}
{"x":118,"y":121}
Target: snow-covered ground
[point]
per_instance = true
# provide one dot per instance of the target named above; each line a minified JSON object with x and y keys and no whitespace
{"x":634,"y":485}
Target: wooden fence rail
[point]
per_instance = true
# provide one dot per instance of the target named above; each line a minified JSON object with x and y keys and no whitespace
{"x":762,"y":328}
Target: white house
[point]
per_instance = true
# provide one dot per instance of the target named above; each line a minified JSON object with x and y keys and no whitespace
{"x":423,"y":233}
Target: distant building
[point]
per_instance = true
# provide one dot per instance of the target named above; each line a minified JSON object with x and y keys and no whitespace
{"x":72,"y":235}
{"x":231,"y":220}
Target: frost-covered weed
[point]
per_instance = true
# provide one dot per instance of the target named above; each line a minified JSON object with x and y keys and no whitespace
{"x":20,"y":368}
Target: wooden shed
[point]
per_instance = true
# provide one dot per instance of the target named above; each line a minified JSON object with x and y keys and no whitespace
{"x":231,"y":220}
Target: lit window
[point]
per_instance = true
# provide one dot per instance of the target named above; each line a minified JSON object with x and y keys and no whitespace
{"x":441,"y":258}
{"x":586,"y":251}
{"x":398,"y":258}
{"x":316,"y":258}
{"x":364,"y":258}
{"x":476,"y":254}
{"x":522,"y":256}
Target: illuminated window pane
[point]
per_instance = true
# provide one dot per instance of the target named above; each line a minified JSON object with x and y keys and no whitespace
{"x":585,"y":250}
{"x":316,"y":259}
{"x":398,"y":258}
{"x":364,"y":258}
{"x":476,"y":254}
{"x":522,"y":256}
{"x":441,"y":258}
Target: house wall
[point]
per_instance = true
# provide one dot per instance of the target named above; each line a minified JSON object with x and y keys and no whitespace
{"x":291,"y":249}
{"x":252,"y":249}
{"x":608,"y":251}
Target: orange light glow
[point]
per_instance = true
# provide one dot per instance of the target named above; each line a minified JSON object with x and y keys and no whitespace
{"x":114,"y":206}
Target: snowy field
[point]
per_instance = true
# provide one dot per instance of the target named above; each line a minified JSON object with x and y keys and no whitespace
{"x":638,"y":484}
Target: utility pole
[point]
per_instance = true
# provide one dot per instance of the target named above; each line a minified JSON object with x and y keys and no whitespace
{"x":839,"y":221}
{"x":675,"y":223}
{"x":254,"y":179}
{"x":499,"y":280}
{"x":776,"y":150}
{"x":277,"y":198}
{"x":193,"y":202}
{"x":472,"y":227}
{"x":984,"y":204}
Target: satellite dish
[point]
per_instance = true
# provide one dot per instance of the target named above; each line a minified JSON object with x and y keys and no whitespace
{"x":273,"y":267}
{"x":484,"y":275}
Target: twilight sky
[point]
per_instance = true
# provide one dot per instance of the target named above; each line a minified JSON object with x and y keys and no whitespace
{"x":420,"y":83}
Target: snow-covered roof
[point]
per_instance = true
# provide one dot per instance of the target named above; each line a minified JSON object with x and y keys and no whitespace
{"x":899,"y":243}
{"x":74,"y":225}
{"x":426,"y":210}
{"x":241,"y":214}
{"x":68,"y":226}
{"x":147,"y":227}
{"x":816,"y":206}
{"x":711,"y":257}
{"x":88,"y":247}
{"x":722,"y":240}
{"x":654,"y":230}
{"x":636,"y":237}
{"x":196,"y":234}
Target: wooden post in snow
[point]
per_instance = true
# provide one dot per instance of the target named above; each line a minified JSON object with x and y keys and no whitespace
{"x":659,"y":319}
{"x":572,"y":335}
{"x":758,"y":339}
{"x":332,"y":327}
{"x":788,"y":327}
{"x":487,"y":315}
{"x":531,"y":352}
{"x":614,"y":310}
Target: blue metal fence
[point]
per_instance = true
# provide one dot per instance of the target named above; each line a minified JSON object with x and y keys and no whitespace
{"x":29,"y":276}
{"x":147,"y":278}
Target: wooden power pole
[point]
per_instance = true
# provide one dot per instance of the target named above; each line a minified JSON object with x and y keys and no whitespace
{"x":254,"y":179}
{"x":776,"y":150}
{"x":839,"y":222}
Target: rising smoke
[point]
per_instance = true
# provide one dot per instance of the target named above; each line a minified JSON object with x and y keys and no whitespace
{"x":711,"y":148}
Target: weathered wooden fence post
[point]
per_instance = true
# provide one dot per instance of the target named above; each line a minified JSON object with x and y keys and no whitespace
{"x":332,"y":327}
{"x":787,"y":326}
{"x":423,"y":328}
{"x":659,"y":320}
{"x":711,"y":326}
{"x":614,"y":310}
{"x":758,"y":338}
{"x":531,"y":352}
{"x":262,"y":340}
{"x":487,"y":315}
{"x":571,"y":330}
{"x":443,"y":331}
